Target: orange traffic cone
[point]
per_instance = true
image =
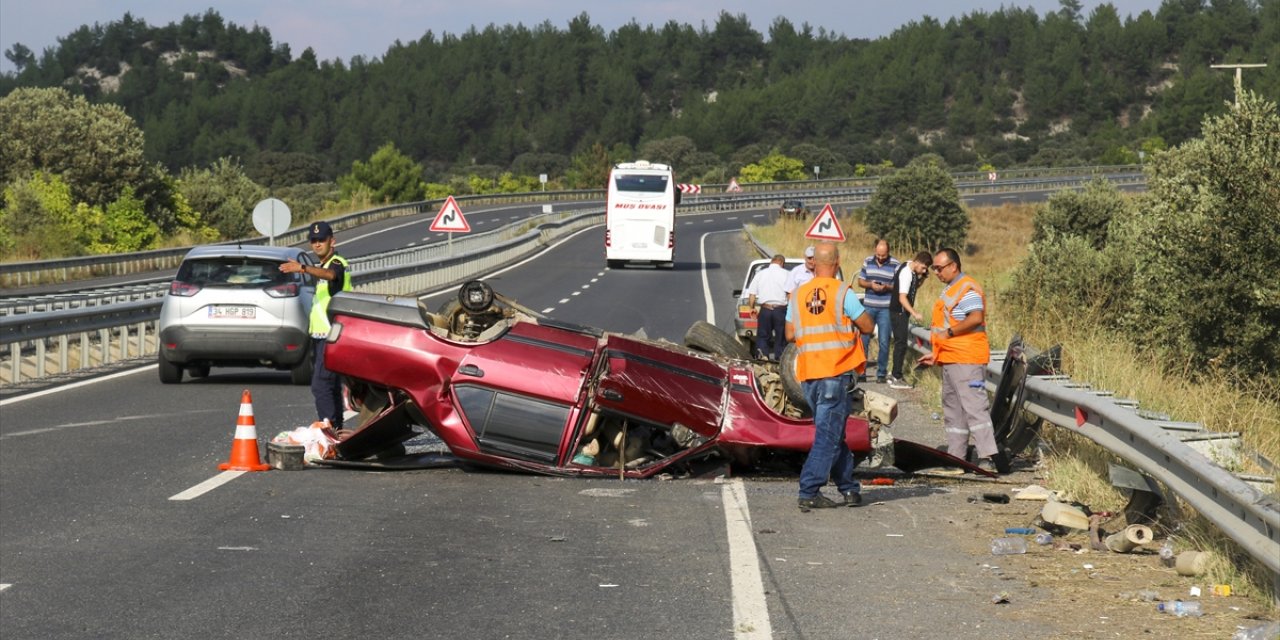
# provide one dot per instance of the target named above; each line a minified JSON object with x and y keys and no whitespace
{"x":244,"y":449}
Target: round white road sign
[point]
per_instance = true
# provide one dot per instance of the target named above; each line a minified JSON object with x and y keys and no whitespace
{"x":271,"y":217}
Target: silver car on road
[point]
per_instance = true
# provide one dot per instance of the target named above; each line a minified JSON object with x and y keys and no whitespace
{"x":231,"y":306}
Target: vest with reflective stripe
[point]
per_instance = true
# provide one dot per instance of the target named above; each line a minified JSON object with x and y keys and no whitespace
{"x":320,"y":304}
{"x":972,"y":346}
{"x":828,"y":342}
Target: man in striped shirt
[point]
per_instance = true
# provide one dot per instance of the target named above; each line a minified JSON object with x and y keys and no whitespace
{"x":876,"y":277}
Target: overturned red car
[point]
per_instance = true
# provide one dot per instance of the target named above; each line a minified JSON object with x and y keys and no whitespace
{"x":504,"y":386}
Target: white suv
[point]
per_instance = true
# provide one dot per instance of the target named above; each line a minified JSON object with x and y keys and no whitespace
{"x":231,"y":306}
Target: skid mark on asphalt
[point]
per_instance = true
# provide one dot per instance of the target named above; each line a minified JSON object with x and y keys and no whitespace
{"x":96,"y":423}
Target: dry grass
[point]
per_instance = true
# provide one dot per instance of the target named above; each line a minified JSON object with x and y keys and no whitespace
{"x":999,"y":237}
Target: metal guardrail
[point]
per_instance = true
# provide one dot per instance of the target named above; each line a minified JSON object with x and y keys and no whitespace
{"x":1242,"y":511}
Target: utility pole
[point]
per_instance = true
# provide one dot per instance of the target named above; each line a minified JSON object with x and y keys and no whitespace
{"x":1238,"y":68}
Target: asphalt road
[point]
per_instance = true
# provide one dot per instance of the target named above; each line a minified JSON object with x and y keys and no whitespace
{"x":93,"y":546}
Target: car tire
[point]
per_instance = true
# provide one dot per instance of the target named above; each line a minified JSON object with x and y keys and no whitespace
{"x":706,"y":337}
{"x":301,"y":373}
{"x":790,"y":383}
{"x":170,"y":373}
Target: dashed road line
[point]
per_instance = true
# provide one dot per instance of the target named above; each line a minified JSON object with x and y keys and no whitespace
{"x":208,"y":485}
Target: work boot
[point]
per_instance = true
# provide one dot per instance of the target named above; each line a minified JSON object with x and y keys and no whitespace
{"x":817,"y":502}
{"x":853,"y":499}
{"x":987,"y":465}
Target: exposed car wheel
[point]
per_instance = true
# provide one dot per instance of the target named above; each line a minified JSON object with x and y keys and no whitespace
{"x":199,"y":371}
{"x":790,"y":383}
{"x":704,"y":336}
{"x":170,"y":373}
{"x":300,"y":374}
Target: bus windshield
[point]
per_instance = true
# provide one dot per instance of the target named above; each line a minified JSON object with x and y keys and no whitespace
{"x":641,"y":183}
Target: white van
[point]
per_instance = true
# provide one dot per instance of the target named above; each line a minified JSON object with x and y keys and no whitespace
{"x":640,"y":214}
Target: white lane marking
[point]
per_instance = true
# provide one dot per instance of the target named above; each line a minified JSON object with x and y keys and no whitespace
{"x":237,"y":548}
{"x":600,"y":274}
{"x":548,"y":309}
{"x":750,"y":612}
{"x":4,"y":586}
{"x":575,"y":293}
{"x":594,"y":280}
{"x":563,"y":300}
{"x":208,"y":485}
{"x":706,"y":284}
{"x":586,"y":286}
{"x":75,"y":385}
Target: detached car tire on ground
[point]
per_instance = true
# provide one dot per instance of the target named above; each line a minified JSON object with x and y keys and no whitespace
{"x":231,"y":306}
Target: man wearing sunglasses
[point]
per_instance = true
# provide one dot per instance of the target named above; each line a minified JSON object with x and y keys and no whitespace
{"x":960,"y":346}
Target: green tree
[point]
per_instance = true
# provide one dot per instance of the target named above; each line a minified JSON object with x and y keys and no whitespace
{"x":919,"y":208}
{"x":1210,"y":224}
{"x":97,"y":149}
{"x":390,"y":176}
{"x":774,"y":167}
{"x":125,"y":227}
{"x":222,"y":197}
{"x":1084,"y":214}
{"x":40,"y":219}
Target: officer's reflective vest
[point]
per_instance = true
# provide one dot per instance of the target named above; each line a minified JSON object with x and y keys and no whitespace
{"x":971,"y":347}
{"x":828,"y":342}
{"x":320,"y":305}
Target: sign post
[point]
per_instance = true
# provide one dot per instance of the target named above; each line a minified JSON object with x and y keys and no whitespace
{"x":825,"y":226}
{"x":450,"y":219}
{"x":271,"y":216}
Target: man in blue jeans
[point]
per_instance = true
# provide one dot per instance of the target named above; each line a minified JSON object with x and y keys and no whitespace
{"x":876,"y":277}
{"x":824,"y":318}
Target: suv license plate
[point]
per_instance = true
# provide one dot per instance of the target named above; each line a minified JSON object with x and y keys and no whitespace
{"x":229,"y":311}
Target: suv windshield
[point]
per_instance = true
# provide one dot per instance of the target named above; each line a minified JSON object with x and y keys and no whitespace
{"x":233,"y":272}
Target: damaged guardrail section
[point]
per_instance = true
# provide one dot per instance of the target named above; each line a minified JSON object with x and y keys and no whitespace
{"x":1244,"y":513}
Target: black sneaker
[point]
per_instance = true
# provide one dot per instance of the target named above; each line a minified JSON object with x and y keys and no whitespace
{"x":862,"y":378}
{"x":987,"y":465}
{"x":880,"y":380}
{"x":817,"y":502}
{"x":853,"y":499}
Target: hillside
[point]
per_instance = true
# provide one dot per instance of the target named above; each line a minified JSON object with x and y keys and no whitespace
{"x":1007,"y":88}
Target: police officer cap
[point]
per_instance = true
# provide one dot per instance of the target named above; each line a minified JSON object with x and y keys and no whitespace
{"x":320,"y":231}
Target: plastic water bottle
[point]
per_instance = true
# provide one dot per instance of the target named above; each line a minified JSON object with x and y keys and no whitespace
{"x":1166,"y":553}
{"x":1008,"y":546}
{"x":1180,"y":608}
{"x":1026,"y":531}
{"x":1044,"y":539}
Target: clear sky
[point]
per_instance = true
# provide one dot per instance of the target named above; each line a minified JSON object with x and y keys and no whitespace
{"x":346,"y":28}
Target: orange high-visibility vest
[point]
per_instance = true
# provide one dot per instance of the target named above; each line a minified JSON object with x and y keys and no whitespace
{"x":972,"y":346}
{"x":829,"y":344}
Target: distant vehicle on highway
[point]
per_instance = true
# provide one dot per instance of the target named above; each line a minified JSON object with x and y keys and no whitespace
{"x":744,"y":324}
{"x":231,"y":306}
{"x":794,"y":209}
{"x":640,"y":214}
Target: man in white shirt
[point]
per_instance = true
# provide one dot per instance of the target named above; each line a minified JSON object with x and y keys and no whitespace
{"x":800,"y":274}
{"x":771,"y":317}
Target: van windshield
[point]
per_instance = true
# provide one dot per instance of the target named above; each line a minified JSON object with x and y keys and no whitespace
{"x":641,"y":183}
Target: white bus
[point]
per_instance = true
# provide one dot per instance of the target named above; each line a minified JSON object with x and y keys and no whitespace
{"x":640,"y":214}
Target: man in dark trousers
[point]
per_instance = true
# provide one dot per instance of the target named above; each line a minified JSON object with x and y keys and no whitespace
{"x":902,"y":307}
{"x":824,"y":318}
{"x":331,"y":277}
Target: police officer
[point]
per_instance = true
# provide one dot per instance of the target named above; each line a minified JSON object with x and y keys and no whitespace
{"x":331,"y":277}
